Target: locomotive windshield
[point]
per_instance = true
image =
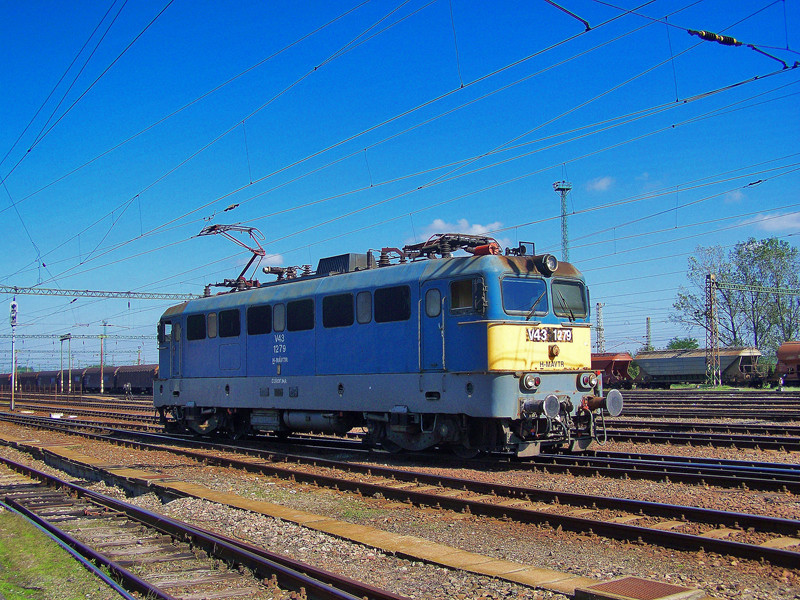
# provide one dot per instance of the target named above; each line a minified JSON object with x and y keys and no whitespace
{"x":569,"y":299}
{"x":524,"y":296}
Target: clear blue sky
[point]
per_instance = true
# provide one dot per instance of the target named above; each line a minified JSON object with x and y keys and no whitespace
{"x":355,"y":125}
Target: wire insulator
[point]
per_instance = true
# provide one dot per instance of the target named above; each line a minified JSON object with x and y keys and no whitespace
{"x":709,"y":36}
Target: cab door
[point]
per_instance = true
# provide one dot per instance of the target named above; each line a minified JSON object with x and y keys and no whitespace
{"x":433,"y":301}
{"x":175,"y":351}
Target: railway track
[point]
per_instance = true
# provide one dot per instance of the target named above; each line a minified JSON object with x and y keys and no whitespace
{"x":776,"y":477}
{"x":700,"y":395}
{"x":768,"y":406}
{"x":64,"y":402}
{"x":764,"y":441}
{"x":657,"y":412}
{"x":163,"y":558}
{"x":780,"y":477}
{"x":682,"y":527}
{"x":738,"y":428}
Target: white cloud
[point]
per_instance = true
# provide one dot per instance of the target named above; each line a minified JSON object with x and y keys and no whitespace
{"x":600,"y":184}
{"x":460,"y":226}
{"x":272,"y":259}
{"x":734,"y":197}
{"x":774,"y":223}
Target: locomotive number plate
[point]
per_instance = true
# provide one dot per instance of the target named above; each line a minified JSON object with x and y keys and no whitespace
{"x":549,"y":334}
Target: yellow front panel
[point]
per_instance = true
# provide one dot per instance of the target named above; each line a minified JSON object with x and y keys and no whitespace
{"x":526,"y":347}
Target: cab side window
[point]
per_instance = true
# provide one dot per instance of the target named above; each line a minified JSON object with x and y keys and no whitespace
{"x":467,"y":295}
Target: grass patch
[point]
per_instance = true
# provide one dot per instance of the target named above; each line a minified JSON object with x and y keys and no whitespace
{"x":34,"y":567}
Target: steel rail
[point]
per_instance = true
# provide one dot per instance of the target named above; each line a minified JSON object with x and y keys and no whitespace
{"x":621,"y":531}
{"x":87,"y":564}
{"x":318,"y":584}
{"x":480,"y":506}
{"x":615,"y":424}
{"x":591,"y":463}
{"x":657,"y":395}
{"x":763,"y":442}
{"x":129,"y":580}
{"x":701,"y":413}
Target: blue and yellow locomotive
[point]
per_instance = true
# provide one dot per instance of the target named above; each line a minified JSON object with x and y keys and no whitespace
{"x":482,"y":352}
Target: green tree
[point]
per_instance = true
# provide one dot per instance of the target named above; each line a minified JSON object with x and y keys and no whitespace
{"x":690,"y":305}
{"x":756,"y":317}
{"x":771,"y":263}
{"x":687,"y":343}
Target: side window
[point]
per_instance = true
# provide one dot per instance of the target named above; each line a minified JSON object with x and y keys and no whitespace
{"x":462,"y":297}
{"x":364,"y":307}
{"x":337,"y":311}
{"x":392,"y":304}
{"x":196,"y":327}
{"x":433,"y":302}
{"x":300,"y":315}
{"x":211,"y":321}
{"x":230,"y":325}
{"x":279,"y":317}
{"x":164,"y":332}
{"x":259,"y":320}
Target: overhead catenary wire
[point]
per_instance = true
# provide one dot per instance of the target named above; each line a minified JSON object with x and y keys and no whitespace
{"x":44,"y":133}
{"x":187,"y":105}
{"x":55,"y":87}
{"x":406,"y":212}
{"x":692,"y":99}
{"x":381,"y":124}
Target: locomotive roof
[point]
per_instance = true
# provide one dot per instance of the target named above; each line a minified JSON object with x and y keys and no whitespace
{"x":394,"y":274}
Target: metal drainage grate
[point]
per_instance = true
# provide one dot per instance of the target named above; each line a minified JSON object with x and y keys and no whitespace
{"x":636,"y":588}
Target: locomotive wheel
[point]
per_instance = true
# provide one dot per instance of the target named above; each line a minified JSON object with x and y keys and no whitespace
{"x":390,"y":446}
{"x":462,"y":451}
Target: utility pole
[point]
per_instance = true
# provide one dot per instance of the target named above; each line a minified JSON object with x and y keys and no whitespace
{"x":649,"y":335}
{"x":563,"y":188}
{"x":102,"y":339}
{"x":68,"y":338}
{"x":713,"y":366}
{"x":13,"y":319}
{"x":601,"y":334}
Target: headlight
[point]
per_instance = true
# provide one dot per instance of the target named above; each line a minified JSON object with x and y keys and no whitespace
{"x":587,"y":380}
{"x":547,"y":264}
{"x":530,"y":382}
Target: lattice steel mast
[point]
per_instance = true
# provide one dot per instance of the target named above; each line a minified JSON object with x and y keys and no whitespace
{"x":563,"y":188}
